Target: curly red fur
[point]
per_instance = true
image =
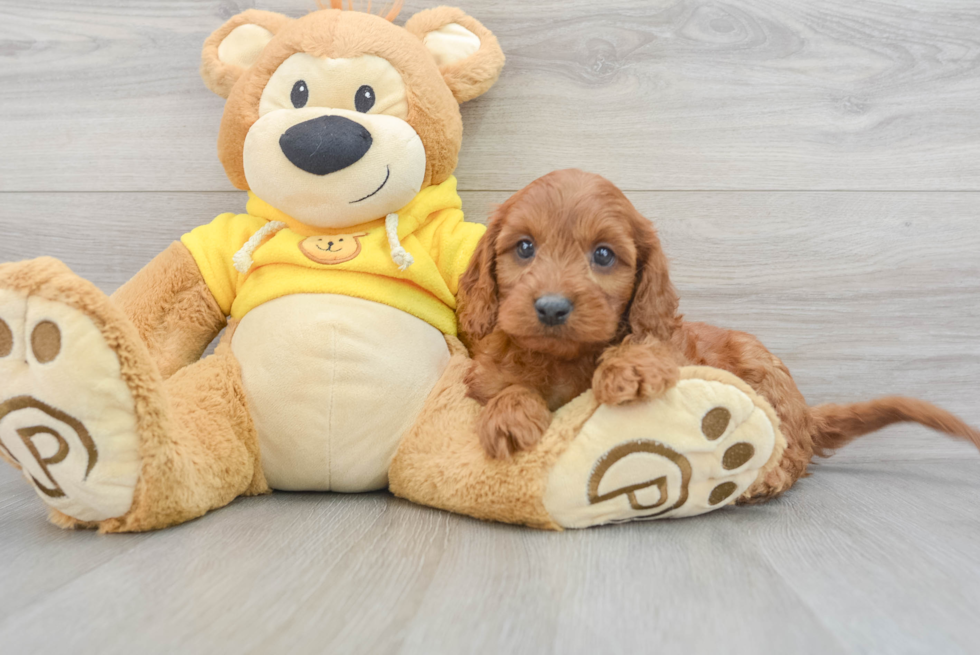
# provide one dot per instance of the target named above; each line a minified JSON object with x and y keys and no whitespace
{"x":623,"y":336}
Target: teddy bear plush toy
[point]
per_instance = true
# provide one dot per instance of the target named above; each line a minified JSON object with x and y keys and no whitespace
{"x":339,"y":369}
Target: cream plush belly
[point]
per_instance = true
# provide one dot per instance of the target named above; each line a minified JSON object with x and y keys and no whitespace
{"x":333,"y":383}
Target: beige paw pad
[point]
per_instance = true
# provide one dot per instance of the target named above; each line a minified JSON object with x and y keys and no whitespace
{"x":692,"y":450}
{"x":66,"y":416}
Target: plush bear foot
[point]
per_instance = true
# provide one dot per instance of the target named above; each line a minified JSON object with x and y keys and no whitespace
{"x":694,"y":449}
{"x":67,"y":417}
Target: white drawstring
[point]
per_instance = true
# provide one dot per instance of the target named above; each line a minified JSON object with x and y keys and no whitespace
{"x":243,"y":258}
{"x":399,"y":255}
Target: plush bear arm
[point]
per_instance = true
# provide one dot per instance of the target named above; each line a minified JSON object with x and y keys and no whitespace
{"x":172,"y":309}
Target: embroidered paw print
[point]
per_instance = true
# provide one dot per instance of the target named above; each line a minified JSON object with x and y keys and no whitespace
{"x":67,"y":419}
{"x":692,"y":450}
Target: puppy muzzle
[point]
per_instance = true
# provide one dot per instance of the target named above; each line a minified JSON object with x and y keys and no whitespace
{"x":553,"y":309}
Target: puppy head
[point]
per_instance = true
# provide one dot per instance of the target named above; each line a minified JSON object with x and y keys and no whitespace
{"x":568,"y":264}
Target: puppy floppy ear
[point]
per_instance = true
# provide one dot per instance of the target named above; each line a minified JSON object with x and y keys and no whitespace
{"x":653,"y":308}
{"x":477,"y":297}
{"x":235,"y":46}
{"x":466,"y":52}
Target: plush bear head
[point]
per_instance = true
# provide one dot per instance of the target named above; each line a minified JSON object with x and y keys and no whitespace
{"x":340,"y":117}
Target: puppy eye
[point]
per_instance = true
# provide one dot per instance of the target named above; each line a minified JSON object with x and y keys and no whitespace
{"x":603,"y":256}
{"x":364,"y":99}
{"x":300,"y":94}
{"x":525,"y":249}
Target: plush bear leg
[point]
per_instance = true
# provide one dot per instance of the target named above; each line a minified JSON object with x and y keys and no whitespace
{"x":209,"y":455}
{"x":86,"y":415}
{"x":441,"y":463}
{"x":698,"y":447}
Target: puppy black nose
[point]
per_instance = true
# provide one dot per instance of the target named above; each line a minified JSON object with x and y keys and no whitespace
{"x":553,"y":309}
{"x":325,"y":144}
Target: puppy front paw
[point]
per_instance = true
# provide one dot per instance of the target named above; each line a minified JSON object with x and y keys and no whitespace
{"x":513,"y":420}
{"x":619,"y":380}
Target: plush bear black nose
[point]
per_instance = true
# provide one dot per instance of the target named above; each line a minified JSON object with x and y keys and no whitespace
{"x":325,"y":144}
{"x":553,"y":309}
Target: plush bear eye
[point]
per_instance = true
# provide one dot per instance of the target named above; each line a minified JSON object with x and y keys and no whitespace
{"x":525,"y":249}
{"x":603,"y":256}
{"x":364,"y":99}
{"x":300,"y":94}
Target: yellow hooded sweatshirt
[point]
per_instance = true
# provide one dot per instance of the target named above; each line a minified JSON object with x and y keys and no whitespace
{"x":354,"y":261}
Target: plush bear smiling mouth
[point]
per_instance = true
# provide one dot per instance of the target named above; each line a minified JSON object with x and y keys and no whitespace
{"x":387,"y":175}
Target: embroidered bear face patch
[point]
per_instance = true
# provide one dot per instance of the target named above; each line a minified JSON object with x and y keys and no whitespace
{"x":332,"y":248}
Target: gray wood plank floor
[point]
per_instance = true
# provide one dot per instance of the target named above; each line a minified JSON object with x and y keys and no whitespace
{"x":813,"y":168}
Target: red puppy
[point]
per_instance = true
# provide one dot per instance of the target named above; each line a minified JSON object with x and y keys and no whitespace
{"x":569,"y":289}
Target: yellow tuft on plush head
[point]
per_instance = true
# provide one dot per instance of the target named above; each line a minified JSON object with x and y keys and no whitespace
{"x":389,"y":11}
{"x":340,"y":117}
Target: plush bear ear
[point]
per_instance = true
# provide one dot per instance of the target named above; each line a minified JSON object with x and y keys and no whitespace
{"x":235,"y":46}
{"x":466,"y":52}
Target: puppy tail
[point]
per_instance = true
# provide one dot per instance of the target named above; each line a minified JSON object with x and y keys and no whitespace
{"x":837,"y":425}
